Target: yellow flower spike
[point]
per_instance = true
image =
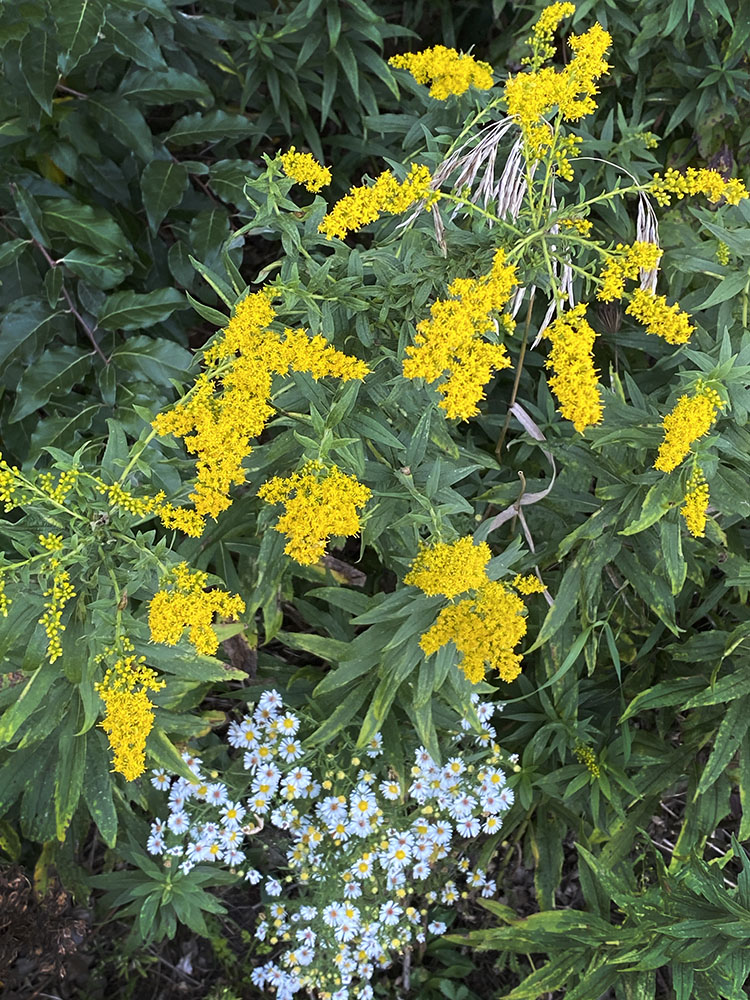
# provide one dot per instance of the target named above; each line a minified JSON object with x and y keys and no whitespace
{"x":305,"y":169}
{"x":5,"y":601}
{"x":691,"y":419}
{"x":189,"y":606}
{"x":543,"y":32}
{"x":363,"y":204}
{"x":695,"y":505}
{"x":318,"y":503}
{"x":59,"y":594}
{"x":667,"y":322}
{"x":129,"y":714}
{"x":575,"y":382}
{"x":449,"y":72}
{"x":450,"y":568}
{"x":697,"y":181}
{"x":625,"y":265}
{"x":527,"y":585}
{"x":450,"y":341}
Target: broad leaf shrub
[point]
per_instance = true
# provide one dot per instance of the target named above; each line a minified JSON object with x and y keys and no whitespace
{"x":434,"y":391}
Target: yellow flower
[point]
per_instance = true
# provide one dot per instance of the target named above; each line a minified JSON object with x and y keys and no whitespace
{"x":319,"y":502}
{"x":450,"y":568}
{"x":363,"y":205}
{"x":582,"y":226}
{"x":528,"y":584}
{"x":695,"y":505}
{"x":8,"y":485}
{"x":448,"y":71}
{"x":575,"y":381}
{"x":691,"y":419}
{"x":586,"y":756}
{"x":668,"y":322}
{"x":189,"y":606}
{"x":450,"y":341}
{"x":484,"y":629}
{"x":543,"y":32}
{"x":129,"y":712}
{"x":305,"y":169}
{"x":51,"y":542}
{"x":60,"y":593}
{"x":65,"y":484}
{"x":229,"y":404}
{"x":693,"y":181}
{"x":4,"y":599}
{"x":626,"y":264}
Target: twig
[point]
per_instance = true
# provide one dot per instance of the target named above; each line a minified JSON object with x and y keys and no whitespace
{"x":71,"y":305}
{"x":519,"y":368}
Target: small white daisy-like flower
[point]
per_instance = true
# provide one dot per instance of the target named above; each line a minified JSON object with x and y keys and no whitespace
{"x":290,"y":749}
{"x":390,"y":913}
{"x":288,"y":724}
{"x":155,"y":844}
{"x":253,"y":876}
{"x":489,"y":888}
{"x":436,"y":927}
{"x":375,"y":745}
{"x":217,"y":794}
{"x":160,"y":779}
{"x":232,"y":815}
{"x":273,"y":887}
{"x":390,"y":790}
{"x":178,"y":822}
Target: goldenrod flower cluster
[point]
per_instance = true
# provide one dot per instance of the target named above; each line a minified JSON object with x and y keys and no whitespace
{"x":626,"y":265}
{"x":4,"y":599}
{"x":531,"y":96}
{"x":450,"y":341}
{"x":9,"y":488}
{"x":188,"y":605}
{"x":139,"y":506}
{"x":129,"y":714}
{"x":58,"y":492}
{"x":586,"y":756}
{"x":217,"y":424}
{"x":722,"y":253}
{"x":695,"y":504}
{"x":448,"y":71}
{"x":363,"y":204}
{"x":575,"y":382}
{"x":484,"y":627}
{"x":582,"y":226}
{"x":667,"y":322}
{"x":450,"y":568}
{"x":305,"y":169}
{"x":51,"y":542}
{"x":691,"y":418}
{"x":696,"y":181}
{"x":319,"y":502}
{"x":60,"y":593}
{"x":543,"y":31}
{"x":528,"y":584}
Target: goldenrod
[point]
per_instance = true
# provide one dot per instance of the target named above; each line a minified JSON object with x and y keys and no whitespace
{"x":319,"y":502}
{"x":450,"y":568}
{"x":575,"y":382}
{"x":59,"y":594}
{"x":363,"y":204}
{"x":696,"y":181}
{"x":305,"y":169}
{"x":448,"y":71}
{"x":667,"y":322}
{"x":691,"y":418}
{"x":129,"y":712}
{"x":625,"y":264}
{"x":188,"y":605}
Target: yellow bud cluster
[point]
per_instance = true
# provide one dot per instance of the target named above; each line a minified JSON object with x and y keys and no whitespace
{"x":582,"y":226}
{"x":450,"y":568}
{"x":695,"y":505}
{"x":319,"y":502}
{"x":543,"y":32}
{"x":451,"y":340}
{"x":363,"y":204}
{"x":528,"y":584}
{"x":667,"y":322}
{"x":4,"y":599}
{"x":575,"y":382}
{"x":305,"y":169}
{"x":697,"y":181}
{"x":448,"y":71}
{"x":129,"y":712}
{"x":691,"y":419}
{"x":586,"y":756}
{"x":625,"y":264}
{"x":187,"y":605}
{"x":60,"y":593}
{"x":58,"y":492}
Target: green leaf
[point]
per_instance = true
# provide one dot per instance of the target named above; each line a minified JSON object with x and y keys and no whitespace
{"x":12,"y":250}
{"x":30,"y":214}
{"x":68,"y":777}
{"x":670,"y":534}
{"x":733,"y":727}
{"x":124,"y":122}
{"x":565,"y":600}
{"x":133,"y":40}
{"x":158,"y":361}
{"x":26,"y":319}
{"x":134,"y":311}
{"x":726,"y":289}
{"x":97,"y":788}
{"x":163,"y":183}
{"x":160,"y":748}
{"x":77,"y":23}
{"x":39,"y":67}
{"x":168,"y":87}
{"x":726,"y":689}
{"x":340,"y":717}
{"x":55,"y":373}
{"x":9,"y":841}
{"x":87,"y":224}
{"x":213,"y":126}
{"x":672,"y":692}
{"x":34,"y":690}
{"x":659,"y":499}
{"x":97,"y":269}
{"x":208,"y":232}
{"x":332,"y":650}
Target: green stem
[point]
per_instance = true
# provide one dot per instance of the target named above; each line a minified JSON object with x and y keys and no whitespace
{"x":517,"y":379}
{"x":136,"y":455}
